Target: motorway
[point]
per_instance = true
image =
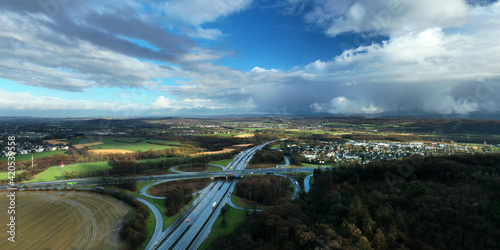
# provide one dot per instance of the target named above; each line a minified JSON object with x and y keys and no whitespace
{"x":96,"y":181}
{"x":201,"y":215}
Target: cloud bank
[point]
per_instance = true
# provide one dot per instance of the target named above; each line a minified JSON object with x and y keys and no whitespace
{"x":438,"y":58}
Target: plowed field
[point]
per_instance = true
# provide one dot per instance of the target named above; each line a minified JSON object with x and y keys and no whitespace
{"x":64,"y":220}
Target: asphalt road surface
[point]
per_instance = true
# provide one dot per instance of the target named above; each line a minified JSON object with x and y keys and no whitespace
{"x":306,"y":183}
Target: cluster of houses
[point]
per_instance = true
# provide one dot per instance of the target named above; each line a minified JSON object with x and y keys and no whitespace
{"x":24,"y":148}
{"x":367,"y":151}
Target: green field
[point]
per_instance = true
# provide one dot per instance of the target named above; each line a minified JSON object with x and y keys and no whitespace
{"x":156,"y":159}
{"x":314,"y":165}
{"x":213,"y":169}
{"x":276,"y":146}
{"x":53,"y":173}
{"x":223,"y":163}
{"x":317,"y":131}
{"x":5,"y":175}
{"x":133,"y":144}
{"x":222,"y":134}
{"x":240,"y":202}
{"x":233,"y":216}
{"x":35,"y":155}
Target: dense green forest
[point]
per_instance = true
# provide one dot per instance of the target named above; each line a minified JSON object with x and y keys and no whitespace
{"x":263,"y":189}
{"x":267,"y":156}
{"x":444,"y":202}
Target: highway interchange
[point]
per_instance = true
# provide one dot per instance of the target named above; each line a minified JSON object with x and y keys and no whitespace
{"x":193,"y":226}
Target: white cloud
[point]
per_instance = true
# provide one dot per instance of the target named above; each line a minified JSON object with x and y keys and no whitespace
{"x":167,"y":103}
{"x":386,"y":17}
{"x":197,"y":12}
{"x":31,"y":53}
{"x":27,"y":101}
{"x":262,"y":70}
{"x":430,"y":55}
{"x":209,"y":34}
{"x":342,"y":105}
{"x":449,"y":105}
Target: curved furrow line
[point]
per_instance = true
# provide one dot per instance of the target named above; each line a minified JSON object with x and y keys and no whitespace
{"x":92,"y":209}
{"x":39,"y":218}
{"x":98,"y":208}
{"x":38,"y":208}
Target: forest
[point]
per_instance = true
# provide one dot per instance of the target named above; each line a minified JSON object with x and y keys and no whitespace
{"x":267,"y":156}
{"x":266,"y":190}
{"x":442,"y":202}
{"x":176,"y":199}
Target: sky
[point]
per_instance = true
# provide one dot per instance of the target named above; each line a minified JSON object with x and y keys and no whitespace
{"x":129,"y":58}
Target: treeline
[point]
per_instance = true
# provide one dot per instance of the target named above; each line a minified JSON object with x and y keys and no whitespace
{"x":443,"y":202}
{"x":375,"y":137}
{"x":127,"y":164}
{"x":133,"y":232}
{"x":296,"y":159}
{"x":176,"y":199}
{"x":128,"y":184}
{"x":266,"y":190}
{"x":267,"y":156}
{"x":214,"y":143}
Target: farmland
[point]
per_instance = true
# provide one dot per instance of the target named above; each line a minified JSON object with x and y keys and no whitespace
{"x":5,"y":175}
{"x":54,"y":173}
{"x":131,"y":144}
{"x":55,"y":220}
{"x":27,"y":157}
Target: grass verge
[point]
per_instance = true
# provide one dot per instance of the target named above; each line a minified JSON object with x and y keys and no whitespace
{"x":223,"y":163}
{"x":245,"y":203}
{"x":233,"y":216}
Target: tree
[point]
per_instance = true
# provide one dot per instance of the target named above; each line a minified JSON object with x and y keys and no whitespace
{"x":223,"y":222}
{"x":379,"y":240}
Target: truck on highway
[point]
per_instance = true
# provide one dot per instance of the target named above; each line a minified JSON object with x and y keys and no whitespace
{"x":213,"y":205}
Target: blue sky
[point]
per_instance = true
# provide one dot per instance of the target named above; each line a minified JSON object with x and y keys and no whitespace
{"x":196,"y":57}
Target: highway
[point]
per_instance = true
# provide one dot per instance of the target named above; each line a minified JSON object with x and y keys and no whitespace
{"x":201,"y":214}
{"x":95,"y":181}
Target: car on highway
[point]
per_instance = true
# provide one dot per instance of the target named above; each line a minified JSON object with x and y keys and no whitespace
{"x":187,"y":221}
